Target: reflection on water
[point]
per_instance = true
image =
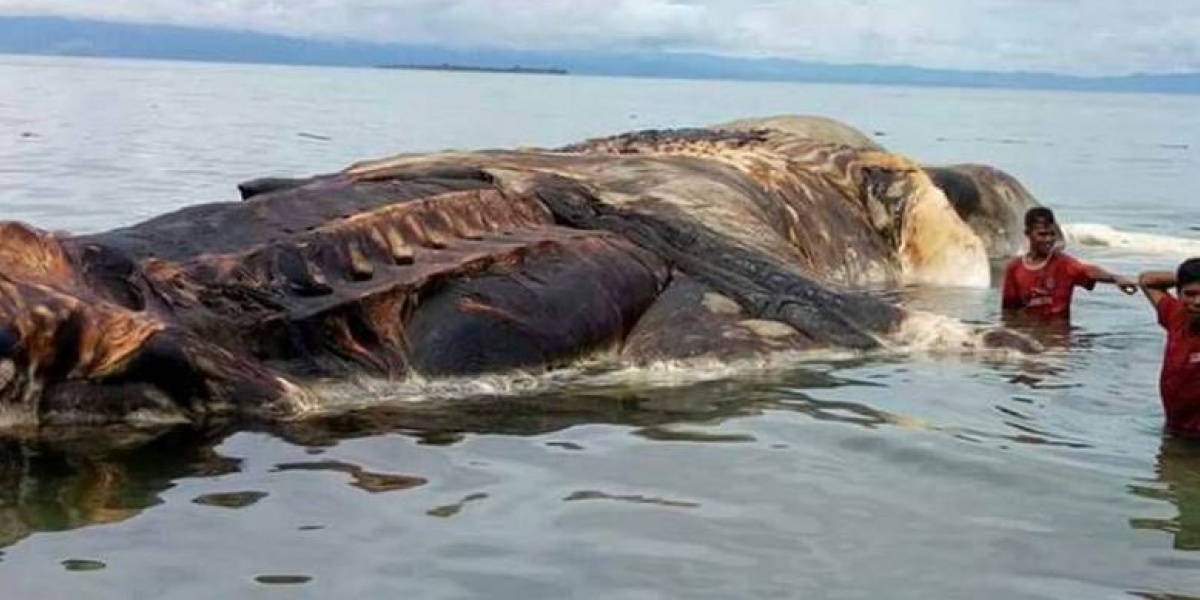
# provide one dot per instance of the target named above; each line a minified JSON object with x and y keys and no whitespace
{"x":57,"y":486}
{"x":283,"y":579}
{"x":449,"y":510}
{"x":107,"y":477}
{"x":363,"y":479}
{"x":665,"y":434}
{"x":80,"y":564}
{"x":1154,"y":596}
{"x":230,"y":499}
{"x":632,"y":498}
{"x":1178,"y":483}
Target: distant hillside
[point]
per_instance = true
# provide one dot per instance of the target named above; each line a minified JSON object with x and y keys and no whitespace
{"x":69,"y":37}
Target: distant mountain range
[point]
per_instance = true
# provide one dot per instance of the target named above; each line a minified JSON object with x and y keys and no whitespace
{"x":75,"y":37}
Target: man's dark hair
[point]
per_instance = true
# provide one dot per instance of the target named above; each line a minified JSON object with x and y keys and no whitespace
{"x":1039,"y":215}
{"x":1188,"y":272}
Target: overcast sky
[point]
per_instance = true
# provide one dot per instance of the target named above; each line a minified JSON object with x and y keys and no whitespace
{"x":1088,"y":37}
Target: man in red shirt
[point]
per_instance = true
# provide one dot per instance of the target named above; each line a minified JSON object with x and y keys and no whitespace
{"x":1179,"y":383}
{"x":1040,"y":283}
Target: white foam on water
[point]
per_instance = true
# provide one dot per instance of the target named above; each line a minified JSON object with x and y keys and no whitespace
{"x":955,"y":270}
{"x":597,"y":374}
{"x":1106,"y":236}
{"x":921,"y":334}
{"x":16,"y":417}
{"x":931,"y":334}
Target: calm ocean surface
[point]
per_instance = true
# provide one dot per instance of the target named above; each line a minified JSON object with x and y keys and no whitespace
{"x":902,"y":477}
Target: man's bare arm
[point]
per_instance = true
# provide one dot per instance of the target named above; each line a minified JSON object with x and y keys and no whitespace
{"x":1155,"y":284}
{"x":1103,"y":275}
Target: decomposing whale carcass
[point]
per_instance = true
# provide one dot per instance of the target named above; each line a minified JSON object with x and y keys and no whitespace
{"x":724,"y":241}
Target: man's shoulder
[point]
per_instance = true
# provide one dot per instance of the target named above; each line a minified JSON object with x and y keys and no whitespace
{"x":1067,"y":262}
{"x":1171,"y":312}
{"x":1169,"y":304}
{"x":1065,"y":257}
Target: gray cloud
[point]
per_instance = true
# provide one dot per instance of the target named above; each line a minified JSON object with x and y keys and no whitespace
{"x":1068,"y":36}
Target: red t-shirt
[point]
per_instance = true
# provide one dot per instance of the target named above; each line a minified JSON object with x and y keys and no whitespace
{"x":1179,"y":383}
{"x":1046,"y":291}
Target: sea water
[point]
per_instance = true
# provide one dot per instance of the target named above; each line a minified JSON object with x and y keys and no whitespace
{"x":920,"y":473}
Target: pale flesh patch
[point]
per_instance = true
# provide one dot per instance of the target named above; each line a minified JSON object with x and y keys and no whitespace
{"x":768,"y":329}
{"x":937,"y":247}
{"x":721,"y":305}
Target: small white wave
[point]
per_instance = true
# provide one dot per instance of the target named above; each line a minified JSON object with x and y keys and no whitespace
{"x":16,"y":416}
{"x":1105,"y":236}
{"x":362,"y":392}
{"x":930,"y":333}
{"x":921,"y":333}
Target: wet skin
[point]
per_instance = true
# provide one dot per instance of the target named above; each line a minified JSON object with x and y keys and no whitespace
{"x":433,"y":265}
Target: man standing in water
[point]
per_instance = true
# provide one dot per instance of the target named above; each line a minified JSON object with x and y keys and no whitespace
{"x":1179,"y":383}
{"x":1040,"y":283}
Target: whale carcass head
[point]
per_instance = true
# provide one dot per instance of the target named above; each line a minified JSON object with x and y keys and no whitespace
{"x":69,"y":353}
